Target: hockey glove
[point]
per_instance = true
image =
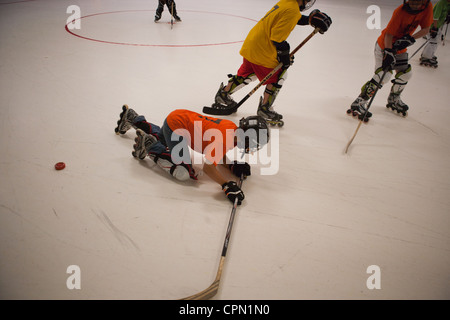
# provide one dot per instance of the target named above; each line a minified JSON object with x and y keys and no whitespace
{"x":233,"y":192}
{"x":239,"y":169}
{"x":320,"y":20}
{"x":388,"y":59}
{"x":404,"y":42}
{"x":433,"y":32}
{"x":283,"y":53}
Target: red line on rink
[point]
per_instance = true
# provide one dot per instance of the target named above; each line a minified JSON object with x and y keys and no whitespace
{"x":153,"y":45}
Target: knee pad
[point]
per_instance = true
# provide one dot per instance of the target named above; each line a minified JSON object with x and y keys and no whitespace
{"x":377,"y":77}
{"x":239,"y":82}
{"x":181,"y":172}
{"x":401,"y":79}
{"x":276,"y":87}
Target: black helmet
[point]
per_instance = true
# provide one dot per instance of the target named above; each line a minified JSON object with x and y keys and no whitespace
{"x":408,"y":9}
{"x":252,"y":133}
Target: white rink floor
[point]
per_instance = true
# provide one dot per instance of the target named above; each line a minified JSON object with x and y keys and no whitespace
{"x":308,"y":232}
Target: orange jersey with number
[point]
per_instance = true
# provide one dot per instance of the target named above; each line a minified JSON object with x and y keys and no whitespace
{"x":208,"y":135}
{"x":403,"y":23}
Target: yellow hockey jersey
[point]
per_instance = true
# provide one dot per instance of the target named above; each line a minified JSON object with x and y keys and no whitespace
{"x":276,"y":25}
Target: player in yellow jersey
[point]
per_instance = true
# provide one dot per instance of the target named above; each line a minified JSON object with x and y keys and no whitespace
{"x":264,"y":48}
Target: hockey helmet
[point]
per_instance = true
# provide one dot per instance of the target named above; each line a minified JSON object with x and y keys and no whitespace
{"x":407,"y":7}
{"x":252,"y":134}
{"x":307,"y":4}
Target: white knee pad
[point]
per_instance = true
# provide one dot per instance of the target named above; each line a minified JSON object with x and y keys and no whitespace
{"x":179,"y":172}
{"x":401,"y":79}
{"x":239,"y":82}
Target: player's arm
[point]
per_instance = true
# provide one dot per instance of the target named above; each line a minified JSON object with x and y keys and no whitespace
{"x":388,"y":39}
{"x":230,"y":188}
{"x":213,"y":173}
{"x":421,"y":33}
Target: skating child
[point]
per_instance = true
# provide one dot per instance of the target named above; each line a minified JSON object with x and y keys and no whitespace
{"x":441,"y":17}
{"x":264,"y":48}
{"x":171,"y":5}
{"x":391,"y":54}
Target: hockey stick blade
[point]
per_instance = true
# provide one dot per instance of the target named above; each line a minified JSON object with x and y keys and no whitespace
{"x":212,"y":290}
{"x":219,"y":111}
{"x":206,"y":294}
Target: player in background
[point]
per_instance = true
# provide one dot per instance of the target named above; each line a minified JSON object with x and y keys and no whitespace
{"x":391,"y":54}
{"x":264,"y":48}
{"x":170,"y":5}
{"x":212,"y":137}
{"x":441,"y":16}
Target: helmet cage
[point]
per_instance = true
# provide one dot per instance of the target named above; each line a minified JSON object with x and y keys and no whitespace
{"x":307,"y":4}
{"x":252,"y":134}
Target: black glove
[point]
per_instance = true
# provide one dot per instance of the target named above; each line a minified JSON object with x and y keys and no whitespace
{"x":233,"y":192}
{"x":433,"y":32}
{"x":283,"y":53}
{"x":320,"y":20}
{"x":388,"y":59}
{"x":404,"y":42}
{"x":240,"y":168}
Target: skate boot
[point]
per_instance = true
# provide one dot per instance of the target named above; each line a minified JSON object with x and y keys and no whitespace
{"x":125,"y":122}
{"x":358,"y":109}
{"x":143,"y":144}
{"x":396,"y":104}
{"x":223,"y":99}
{"x":176,"y":17}
{"x":273,"y":118}
{"x":429,"y":62}
{"x":157,"y":16}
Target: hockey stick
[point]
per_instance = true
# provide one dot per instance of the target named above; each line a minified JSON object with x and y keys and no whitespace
{"x":423,"y":44}
{"x":212,"y":290}
{"x":444,"y":35}
{"x":171,"y":19}
{"x":227,"y":111}
{"x":365,"y":114}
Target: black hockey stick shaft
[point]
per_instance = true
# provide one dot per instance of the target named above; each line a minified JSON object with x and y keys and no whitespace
{"x":423,"y":44}
{"x":171,"y":19}
{"x":212,"y":290}
{"x":367,"y":109}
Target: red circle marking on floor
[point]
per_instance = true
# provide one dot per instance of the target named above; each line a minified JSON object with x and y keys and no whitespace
{"x":154,"y":45}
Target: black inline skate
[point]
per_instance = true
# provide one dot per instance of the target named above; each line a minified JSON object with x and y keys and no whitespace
{"x":273,"y":118}
{"x":396,"y":104}
{"x":358,"y":109}
{"x":429,"y":62}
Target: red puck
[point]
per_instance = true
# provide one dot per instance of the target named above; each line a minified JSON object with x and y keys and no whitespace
{"x":60,"y":166}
